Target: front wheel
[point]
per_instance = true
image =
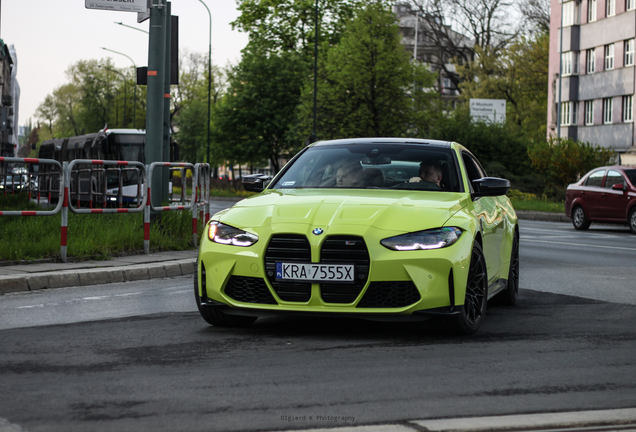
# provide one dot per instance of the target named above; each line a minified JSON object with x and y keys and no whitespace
{"x":579,"y":220}
{"x":216,"y":317}
{"x":473,"y":311}
{"x":632,"y":220}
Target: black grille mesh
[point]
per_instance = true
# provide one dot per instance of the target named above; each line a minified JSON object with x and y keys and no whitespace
{"x":390,"y":295}
{"x":288,"y":248}
{"x":345,"y":250}
{"x":249,"y":290}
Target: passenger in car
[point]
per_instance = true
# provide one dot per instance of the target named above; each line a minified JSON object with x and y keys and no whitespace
{"x":349,"y":175}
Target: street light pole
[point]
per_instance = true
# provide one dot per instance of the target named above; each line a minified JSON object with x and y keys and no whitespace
{"x":315,"y":73}
{"x":134,"y":28}
{"x":209,"y":78}
{"x":135,"y":92}
{"x":123,"y":77}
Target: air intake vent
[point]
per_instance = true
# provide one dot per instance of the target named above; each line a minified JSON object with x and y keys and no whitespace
{"x":288,"y":248}
{"x":345,"y":250}
{"x":249,"y":290}
{"x":390,"y":295}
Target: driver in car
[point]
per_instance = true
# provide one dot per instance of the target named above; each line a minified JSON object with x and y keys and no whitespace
{"x":430,"y":172}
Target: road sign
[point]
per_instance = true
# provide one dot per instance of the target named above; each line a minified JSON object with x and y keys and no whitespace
{"x":488,"y":110}
{"x":118,"y":5}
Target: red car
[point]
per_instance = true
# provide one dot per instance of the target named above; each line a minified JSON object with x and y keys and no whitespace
{"x":605,"y":194}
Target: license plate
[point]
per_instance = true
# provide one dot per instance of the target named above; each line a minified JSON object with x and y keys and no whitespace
{"x":315,"y":272}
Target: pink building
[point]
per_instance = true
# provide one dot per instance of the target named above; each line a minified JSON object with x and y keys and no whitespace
{"x":594,"y":48}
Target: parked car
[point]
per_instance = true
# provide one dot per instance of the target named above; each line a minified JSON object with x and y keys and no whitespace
{"x":605,"y":194}
{"x":355,"y":227}
{"x":14,"y":183}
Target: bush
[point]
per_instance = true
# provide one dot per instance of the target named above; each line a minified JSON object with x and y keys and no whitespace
{"x":564,"y":161}
{"x":502,"y":149}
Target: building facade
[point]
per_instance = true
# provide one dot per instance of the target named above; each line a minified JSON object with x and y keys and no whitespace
{"x":435,"y":45}
{"x":592,"y":73}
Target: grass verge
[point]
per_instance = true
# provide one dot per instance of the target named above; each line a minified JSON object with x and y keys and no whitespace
{"x":98,"y":236}
{"x":532,"y":202}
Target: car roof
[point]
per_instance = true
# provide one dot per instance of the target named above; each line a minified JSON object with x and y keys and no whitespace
{"x":437,"y":143}
{"x":614,"y":167}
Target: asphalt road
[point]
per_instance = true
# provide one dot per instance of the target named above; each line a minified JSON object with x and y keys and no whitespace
{"x":568,"y":345}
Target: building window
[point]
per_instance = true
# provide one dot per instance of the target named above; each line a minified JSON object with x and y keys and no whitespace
{"x":628,"y":109}
{"x":590,"y":61}
{"x":609,"y":57}
{"x":589,"y":113}
{"x":570,"y":13}
{"x":607,"y":110}
{"x":591,"y":10}
{"x":610,"y":8}
{"x":630,"y":4}
{"x":570,"y":62}
{"x":568,"y":113}
{"x":629,"y":51}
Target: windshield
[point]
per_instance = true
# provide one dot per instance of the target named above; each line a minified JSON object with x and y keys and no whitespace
{"x":373,"y":166}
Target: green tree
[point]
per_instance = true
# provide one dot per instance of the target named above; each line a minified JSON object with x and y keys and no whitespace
{"x":289,"y":25}
{"x":253,"y":120}
{"x":367,"y":84}
{"x":518,"y":74}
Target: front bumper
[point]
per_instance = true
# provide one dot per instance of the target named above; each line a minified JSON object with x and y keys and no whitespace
{"x":412,"y":284}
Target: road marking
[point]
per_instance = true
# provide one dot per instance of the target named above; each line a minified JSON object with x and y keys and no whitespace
{"x":578,"y":244}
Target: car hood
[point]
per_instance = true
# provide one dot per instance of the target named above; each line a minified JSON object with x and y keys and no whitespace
{"x":298,"y":209}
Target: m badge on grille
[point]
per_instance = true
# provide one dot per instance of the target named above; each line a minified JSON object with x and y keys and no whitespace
{"x":318,"y":231}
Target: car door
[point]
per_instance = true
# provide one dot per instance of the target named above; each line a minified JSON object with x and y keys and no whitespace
{"x":592,"y":194}
{"x":614,"y":202}
{"x":490,"y":217}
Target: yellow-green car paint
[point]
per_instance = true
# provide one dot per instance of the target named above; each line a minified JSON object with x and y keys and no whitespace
{"x":373,"y":214}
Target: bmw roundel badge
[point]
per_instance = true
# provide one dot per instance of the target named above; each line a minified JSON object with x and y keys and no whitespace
{"x":318,"y":231}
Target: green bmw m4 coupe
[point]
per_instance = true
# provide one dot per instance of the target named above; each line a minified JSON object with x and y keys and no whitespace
{"x":376,"y":228}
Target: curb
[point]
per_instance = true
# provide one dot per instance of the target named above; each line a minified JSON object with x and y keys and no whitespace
{"x":85,"y":277}
{"x":542,"y":216}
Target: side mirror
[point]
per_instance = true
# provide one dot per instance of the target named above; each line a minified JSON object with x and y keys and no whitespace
{"x":619,"y":187}
{"x":255,"y":182}
{"x":491,"y":186}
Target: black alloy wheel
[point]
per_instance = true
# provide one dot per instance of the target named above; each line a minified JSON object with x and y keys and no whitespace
{"x":216,"y":317}
{"x":579,"y":220}
{"x":510,"y":294}
{"x":472,"y":313}
{"x":632,"y":220}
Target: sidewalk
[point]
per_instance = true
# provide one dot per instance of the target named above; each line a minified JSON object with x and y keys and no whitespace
{"x":29,"y":277}
{"x":43,"y":275}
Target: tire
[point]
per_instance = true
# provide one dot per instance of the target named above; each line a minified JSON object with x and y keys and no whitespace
{"x":510,"y":294}
{"x":632,"y":220}
{"x":579,"y":220}
{"x":216,"y":317}
{"x":472,"y":312}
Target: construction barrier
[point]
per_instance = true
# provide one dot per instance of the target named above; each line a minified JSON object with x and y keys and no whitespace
{"x":34,"y":161}
{"x":96,"y":177}
{"x":190,"y":206}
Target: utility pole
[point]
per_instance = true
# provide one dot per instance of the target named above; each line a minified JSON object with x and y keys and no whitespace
{"x":165,"y":174}
{"x":155,"y":99}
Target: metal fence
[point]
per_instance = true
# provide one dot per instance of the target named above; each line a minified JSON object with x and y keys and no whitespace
{"x":86,"y":181}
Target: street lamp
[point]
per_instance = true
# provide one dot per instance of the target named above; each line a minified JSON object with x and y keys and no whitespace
{"x":125,"y":87}
{"x":134,"y":28}
{"x":315,"y":72}
{"x":135,"y":97}
{"x":209,"y":76}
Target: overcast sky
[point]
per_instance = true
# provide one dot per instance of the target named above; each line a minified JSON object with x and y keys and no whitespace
{"x":51,"y":35}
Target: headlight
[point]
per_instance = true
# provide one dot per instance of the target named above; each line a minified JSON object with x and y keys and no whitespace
{"x":225,"y":234}
{"x":429,"y":239}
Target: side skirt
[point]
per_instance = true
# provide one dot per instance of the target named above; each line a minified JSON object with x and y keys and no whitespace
{"x":497,"y":287}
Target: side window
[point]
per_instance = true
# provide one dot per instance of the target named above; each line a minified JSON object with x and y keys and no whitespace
{"x":613,"y":177}
{"x":475,"y":171}
{"x":595,"y":179}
